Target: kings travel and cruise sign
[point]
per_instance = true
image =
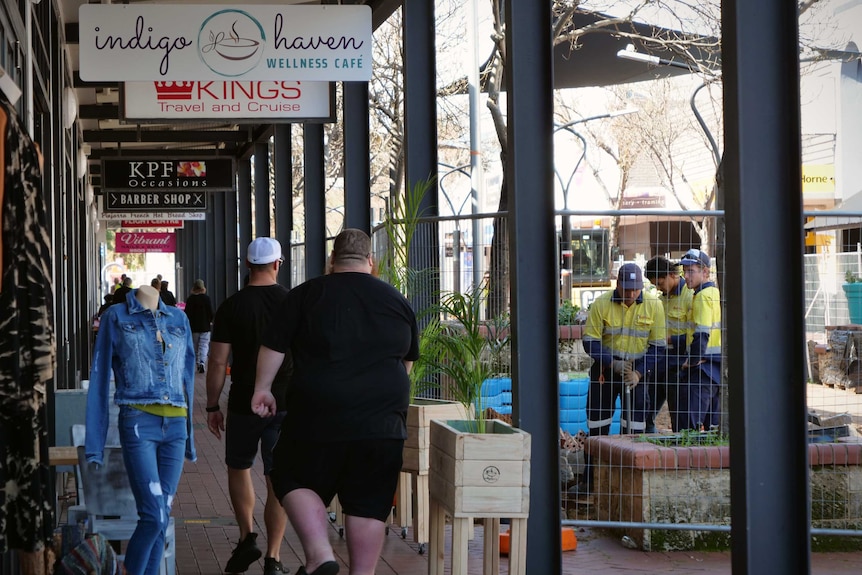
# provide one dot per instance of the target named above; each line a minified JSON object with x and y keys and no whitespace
{"x":205,"y":174}
{"x":139,"y":42}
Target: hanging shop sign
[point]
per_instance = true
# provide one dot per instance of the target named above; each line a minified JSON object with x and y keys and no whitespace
{"x":145,"y":242}
{"x":237,"y":100}
{"x":155,"y":201}
{"x":215,"y":174}
{"x":139,"y":42}
{"x":152,"y":223}
{"x":132,"y":217}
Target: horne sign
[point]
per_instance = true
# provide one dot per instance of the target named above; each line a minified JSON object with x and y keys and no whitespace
{"x":212,"y":174}
{"x":142,"y":242}
{"x":139,"y":42}
{"x":155,"y":201}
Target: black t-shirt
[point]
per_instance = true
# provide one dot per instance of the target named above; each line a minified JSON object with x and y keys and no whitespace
{"x":241,"y":321}
{"x":199,"y":309}
{"x":349,"y":334}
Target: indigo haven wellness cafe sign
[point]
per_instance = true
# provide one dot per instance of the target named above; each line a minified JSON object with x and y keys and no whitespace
{"x":139,"y":42}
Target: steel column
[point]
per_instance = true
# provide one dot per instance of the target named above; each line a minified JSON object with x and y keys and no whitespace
{"x":357,"y":166}
{"x":283,"y":159}
{"x":420,"y":135}
{"x":762,"y":177}
{"x":315,"y":202}
{"x":234,"y":258}
{"x":262,"y":202}
{"x":532,"y":262}
{"x":243,"y":196}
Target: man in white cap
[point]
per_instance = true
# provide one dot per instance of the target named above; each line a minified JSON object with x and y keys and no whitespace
{"x":238,"y":327}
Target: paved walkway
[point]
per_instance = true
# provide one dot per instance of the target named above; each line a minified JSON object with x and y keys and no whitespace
{"x":206,"y":531}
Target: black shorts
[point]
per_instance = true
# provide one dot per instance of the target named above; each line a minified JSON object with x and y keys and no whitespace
{"x":243,"y":434}
{"x":363,"y":473}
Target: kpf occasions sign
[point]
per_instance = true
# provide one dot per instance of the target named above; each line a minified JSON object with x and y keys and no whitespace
{"x":129,"y":42}
{"x":212,"y":174}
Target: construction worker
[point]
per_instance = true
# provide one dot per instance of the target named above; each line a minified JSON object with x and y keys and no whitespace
{"x":676,"y":300}
{"x":700,"y":374}
{"x":625,"y":335}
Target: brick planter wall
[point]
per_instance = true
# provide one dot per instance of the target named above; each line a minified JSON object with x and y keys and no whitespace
{"x":641,"y":482}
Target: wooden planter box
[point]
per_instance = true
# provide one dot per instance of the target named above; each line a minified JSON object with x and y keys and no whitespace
{"x":418,"y":443}
{"x":480,"y":474}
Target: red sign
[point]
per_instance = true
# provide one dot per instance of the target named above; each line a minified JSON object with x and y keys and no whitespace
{"x":151,"y":223}
{"x":133,"y":242}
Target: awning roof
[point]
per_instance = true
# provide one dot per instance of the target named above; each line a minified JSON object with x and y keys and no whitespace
{"x":846,"y":215}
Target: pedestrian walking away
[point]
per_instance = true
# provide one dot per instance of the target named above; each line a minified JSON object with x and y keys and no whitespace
{"x":237,"y":330}
{"x":199,"y":309}
{"x":354,"y":339}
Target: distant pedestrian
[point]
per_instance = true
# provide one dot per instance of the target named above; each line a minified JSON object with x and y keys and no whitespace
{"x":122,"y":291}
{"x":199,"y":308}
{"x":167,"y":295}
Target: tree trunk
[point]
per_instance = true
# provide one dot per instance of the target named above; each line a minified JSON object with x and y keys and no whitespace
{"x":498,"y":288}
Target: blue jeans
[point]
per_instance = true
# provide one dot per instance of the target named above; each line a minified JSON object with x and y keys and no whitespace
{"x":153,"y":449}
{"x":201,"y":341}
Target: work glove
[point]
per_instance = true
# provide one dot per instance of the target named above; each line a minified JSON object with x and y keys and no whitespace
{"x":619,"y":366}
{"x":631,"y":377}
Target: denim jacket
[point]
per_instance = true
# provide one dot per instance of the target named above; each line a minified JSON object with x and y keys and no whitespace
{"x":146,"y":371}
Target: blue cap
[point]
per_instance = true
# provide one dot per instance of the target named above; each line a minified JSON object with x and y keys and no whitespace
{"x":630,"y":277}
{"x":695,"y":257}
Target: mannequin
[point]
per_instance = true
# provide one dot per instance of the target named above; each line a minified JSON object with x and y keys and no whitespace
{"x":148,"y":296}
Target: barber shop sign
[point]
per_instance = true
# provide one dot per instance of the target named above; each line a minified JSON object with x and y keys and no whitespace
{"x":145,"y":242}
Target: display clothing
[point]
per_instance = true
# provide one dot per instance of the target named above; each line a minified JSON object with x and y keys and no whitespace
{"x":27,"y":348}
{"x":349,"y":334}
{"x":240,"y":321}
{"x":148,"y":347}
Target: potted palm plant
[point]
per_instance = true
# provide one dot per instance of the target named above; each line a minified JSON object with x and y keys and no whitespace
{"x":478,"y":467}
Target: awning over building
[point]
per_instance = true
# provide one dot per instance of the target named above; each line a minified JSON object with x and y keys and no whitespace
{"x":846,"y":215}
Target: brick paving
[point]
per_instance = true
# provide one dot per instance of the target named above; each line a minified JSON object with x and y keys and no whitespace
{"x":207,"y":532}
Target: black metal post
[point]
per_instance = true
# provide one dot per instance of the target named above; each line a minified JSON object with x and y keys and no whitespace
{"x":533,"y":266}
{"x":315,"y":202}
{"x":762,"y":167}
{"x":262,"y":202}
{"x":284,"y":197}
{"x":357,"y":167}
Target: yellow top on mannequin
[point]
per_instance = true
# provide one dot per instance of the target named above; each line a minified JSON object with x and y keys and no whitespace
{"x":148,"y":296}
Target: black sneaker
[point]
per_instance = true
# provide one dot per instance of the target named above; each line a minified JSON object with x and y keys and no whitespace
{"x":201,"y":368}
{"x":246,"y":553}
{"x":273,"y":567}
{"x":328,"y":568}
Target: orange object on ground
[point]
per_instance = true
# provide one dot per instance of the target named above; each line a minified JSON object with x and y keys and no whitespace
{"x":570,"y":540}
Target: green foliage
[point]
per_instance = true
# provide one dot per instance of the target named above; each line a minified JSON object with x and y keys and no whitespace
{"x":688,"y":438}
{"x":469,"y":349}
{"x":850,"y":277}
{"x":567,"y":312}
{"x":393,"y":268}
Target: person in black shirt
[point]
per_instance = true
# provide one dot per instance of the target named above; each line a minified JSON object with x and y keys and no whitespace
{"x":122,"y":291}
{"x":353,"y":339}
{"x":199,"y":309}
{"x":167,"y":296}
{"x":238,"y":326}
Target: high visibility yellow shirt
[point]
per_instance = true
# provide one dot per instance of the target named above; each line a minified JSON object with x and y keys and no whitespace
{"x":632,"y":333}
{"x":677,"y":305}
{"x":704,"y":335}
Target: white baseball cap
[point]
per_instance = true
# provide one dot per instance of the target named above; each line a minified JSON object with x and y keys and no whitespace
{"x":263,"y":251}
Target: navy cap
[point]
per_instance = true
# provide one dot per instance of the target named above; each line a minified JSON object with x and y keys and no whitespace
{"x":630,"y":277}
{"x":695,"y":257}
